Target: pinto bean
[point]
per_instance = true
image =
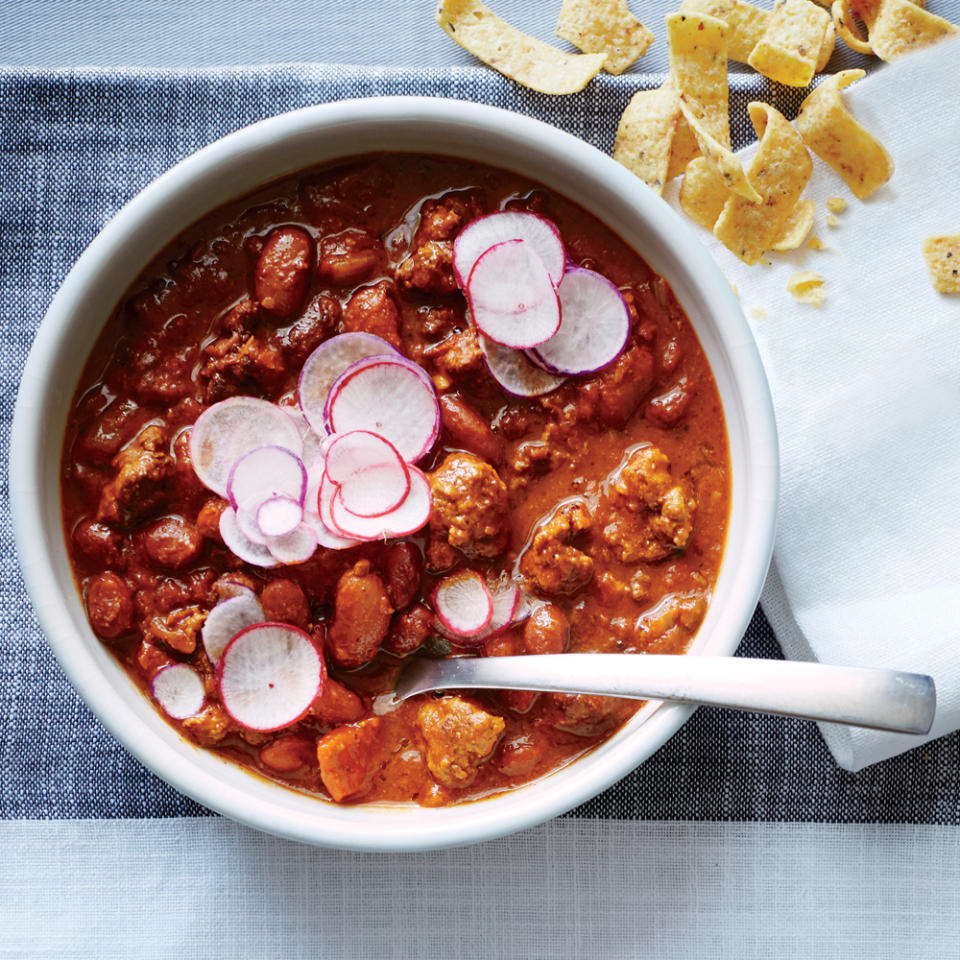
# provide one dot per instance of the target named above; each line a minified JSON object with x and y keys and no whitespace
{"x":98,"y":542}
{"x":283,"y":600}
{"x":110,"y":605}
{"x":362,"y":616}
{"x":402,"y":569}
{"x":337,"y":704}
{"x":283,"y":271}
{"x":466,"y":428}
{"x":173,"y":542}
{"x":668,"y":409}
{"x":519,"y":756}
{"x":547,"y":630}
{"x":409,"y":630}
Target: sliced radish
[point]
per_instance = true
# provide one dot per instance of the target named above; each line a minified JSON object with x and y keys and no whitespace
{"x":325,"y":537}
{"x":512,"y":299}
{"x":240,"y":545}
{"x":314,"y":447}
{"x":227,"y":619}
{"x":297,"y":546}
{"x":278,"y":516}
{"x":409,"y":517}
{"x":269,"y":675}
{"x":179,"y":690}
{"x":327,"y":362}
{"x":477,"y":237}
{"x":595,"y":327}
{"x":226,"y":431}
{"x":390,"y":396}
{"x":463,"y":604}
{"x":515,"y":372}
{"x":506,"y":612}
{"x":266,"y":472}
{"x":247,"y":522}
{"x":372,"y":476}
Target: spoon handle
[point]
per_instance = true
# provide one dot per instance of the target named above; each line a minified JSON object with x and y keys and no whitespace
{"x":881,"y":699}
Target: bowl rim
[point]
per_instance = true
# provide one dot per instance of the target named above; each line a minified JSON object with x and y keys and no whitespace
{"x":466,"y":823}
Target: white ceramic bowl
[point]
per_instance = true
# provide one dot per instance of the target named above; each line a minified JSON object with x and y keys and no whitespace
{"x":237,"y":164}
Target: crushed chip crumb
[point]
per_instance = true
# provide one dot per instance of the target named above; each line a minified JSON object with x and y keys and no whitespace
{"x":815,"y":243}
{"x":806,"y":286}
{"x":758,"y":313}
{"x":836,"y":204}
{"x":943,"y":261}
{"x":831,"y":220}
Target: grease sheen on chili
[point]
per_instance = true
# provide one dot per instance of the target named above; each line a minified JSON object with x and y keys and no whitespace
{"x":608,"y":499}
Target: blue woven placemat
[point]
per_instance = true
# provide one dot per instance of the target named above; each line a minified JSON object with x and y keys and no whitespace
{"x":74,"y":147}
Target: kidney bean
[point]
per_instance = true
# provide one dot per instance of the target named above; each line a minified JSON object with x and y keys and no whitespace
{"x":283,"y":600}
{"x":362,"y":616}
{"x":519,"y":756}
{"x":98,"y":542}
{"x":283,"y":271}
{"x":409,"y":630}
{"x":547,"y":630}
{"x":349,"y":257}
{"x":110,"y":605}
{"x":624,"y":384}
{"x":173,"y":542}
{"x":667,"y":409}
{"x":464,"y":427}
{"x":337,"y":704}
{"x":402,"y":569}
{"x":115,"y":425}
{"x":670,"y":356}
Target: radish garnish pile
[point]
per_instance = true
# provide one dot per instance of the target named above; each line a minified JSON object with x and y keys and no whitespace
{"x":540,"y":318}
{"x":269,"y":675}
{"x":469,"y":610}
{"x":338,"y":471}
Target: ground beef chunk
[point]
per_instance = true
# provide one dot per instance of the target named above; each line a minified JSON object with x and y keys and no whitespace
{"x":457,"y":355}
{"x":209,"y":726}
{"x":459,"y":737}
{"x":362,"y":616}
{"x":585,"y":715}
{"x":442,"y":217}
{"x":551,"y":562}
{"x":469,"y":510}
{"x":374,"y":310}
{"x":139,"y":485}
{"x":649,"y":513}
{"x":227,"y":363}
{"x":429,"y":269}
{"x":348,"y":758}
{"x":177,"y":630}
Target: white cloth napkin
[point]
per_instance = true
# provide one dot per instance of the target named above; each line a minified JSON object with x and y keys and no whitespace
{"x":866,"y":567}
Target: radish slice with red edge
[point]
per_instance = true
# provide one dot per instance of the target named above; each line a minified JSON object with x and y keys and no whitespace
{"x":227,"y":619}
{"x":327,"y":362}
{"x":463,"y":604}
{"x":372,"y":476}
{"x":325,"y":537}
{"x":226,"y":431}
{"x":266,"y":472}
{"x":595,"y":327}
{"x":409,"y":517}
{"x":515,"y":372}
{"x":506,"y":613}
{"x":278,"y":516}
{"x":240,"y":545}
{"x":512,"y":299}
{"x":390,"y":396}
{"x":297,"y":546}
{"x":478,"y":236}
{"x":179,"y":690}
{"x":269,"y":675}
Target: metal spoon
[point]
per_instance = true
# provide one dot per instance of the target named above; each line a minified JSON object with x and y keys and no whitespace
{"x":881,"y":699}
